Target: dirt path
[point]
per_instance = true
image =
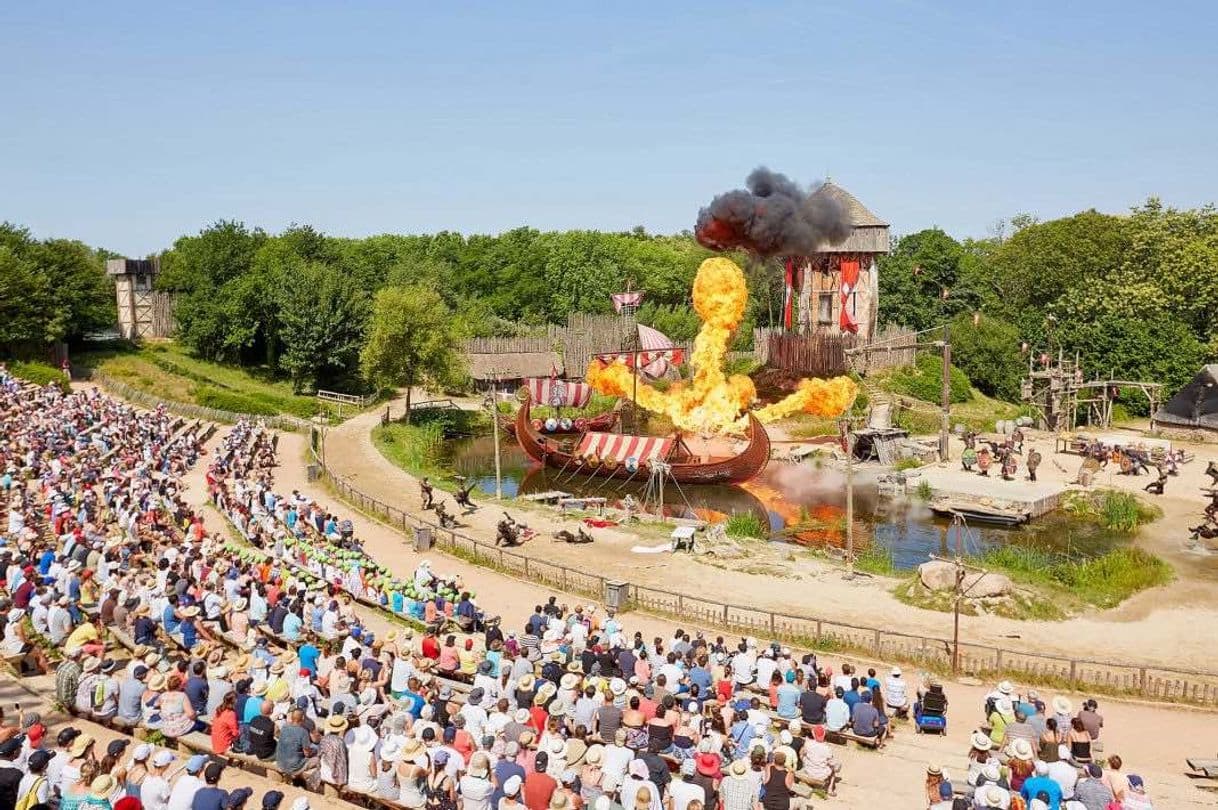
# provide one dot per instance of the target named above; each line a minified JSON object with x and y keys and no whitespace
{"x":1157,"y":627}
{"x":891,"y":778}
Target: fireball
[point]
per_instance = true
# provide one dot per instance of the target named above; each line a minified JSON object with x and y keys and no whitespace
{"x":711,"y":402}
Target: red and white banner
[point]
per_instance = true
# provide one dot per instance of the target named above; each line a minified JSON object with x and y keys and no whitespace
{"x":850,"y":279}
{"x":788,"y":293}
{"x":618,"y":447}
{"x":627,"y":299}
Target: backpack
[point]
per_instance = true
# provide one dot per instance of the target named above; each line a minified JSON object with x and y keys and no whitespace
{"x":30,"y":799}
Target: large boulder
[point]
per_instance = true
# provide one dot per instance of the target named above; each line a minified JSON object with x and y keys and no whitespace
{"x":983,"y":586}
{"x":937,"y":575}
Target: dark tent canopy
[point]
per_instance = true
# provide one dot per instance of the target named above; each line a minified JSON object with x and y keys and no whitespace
{"x":1196,"y":404}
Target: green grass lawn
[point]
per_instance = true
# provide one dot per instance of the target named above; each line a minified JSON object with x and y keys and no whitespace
{"x":168,"y":372}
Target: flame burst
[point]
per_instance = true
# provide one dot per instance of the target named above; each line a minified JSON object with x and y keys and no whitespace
{"x":712,"y":402}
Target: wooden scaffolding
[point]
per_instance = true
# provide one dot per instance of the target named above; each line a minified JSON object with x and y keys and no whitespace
{"x":1060,"y":393}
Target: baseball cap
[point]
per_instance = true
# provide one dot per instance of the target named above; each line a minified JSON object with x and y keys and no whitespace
{"x":272,"y":799}
{"x":162,"y":758}
{"x":40,"y":758}
{"x":196,"y":763}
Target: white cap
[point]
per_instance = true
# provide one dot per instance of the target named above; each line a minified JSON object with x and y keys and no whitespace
{"x":162,"y":758}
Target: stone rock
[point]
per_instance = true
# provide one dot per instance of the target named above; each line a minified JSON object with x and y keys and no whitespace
{"x":937,"y":575}
{"x":982,"y":586}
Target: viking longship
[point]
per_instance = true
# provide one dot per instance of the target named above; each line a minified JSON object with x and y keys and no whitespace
{"x":560,"y":394}
{"x":611,"y":455}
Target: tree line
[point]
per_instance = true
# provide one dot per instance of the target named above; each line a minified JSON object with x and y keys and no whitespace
{"x":1135,"y":296}
{"x":51,"y":290}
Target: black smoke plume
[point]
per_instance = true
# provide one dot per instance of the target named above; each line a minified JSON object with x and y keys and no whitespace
{"x":772,"y":216}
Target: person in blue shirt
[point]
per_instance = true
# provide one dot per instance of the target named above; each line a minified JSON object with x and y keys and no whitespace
{"x":169,"y":618}
{"x":788,"y":698}
{"x":309,"y":654}
{"x":291,"y":625}
{"x":412,"y":697}
{"x":1042,"y":783}
{"x":852,"y":697}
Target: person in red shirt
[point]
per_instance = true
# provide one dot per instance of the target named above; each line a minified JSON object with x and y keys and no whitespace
{"x":224,"y":726}
{"x":431,"y":646}
{"x":539,"y":786}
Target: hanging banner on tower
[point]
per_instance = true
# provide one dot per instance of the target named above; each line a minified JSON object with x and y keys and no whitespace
{"x":850,"y":279}
{"x":788,"y":293}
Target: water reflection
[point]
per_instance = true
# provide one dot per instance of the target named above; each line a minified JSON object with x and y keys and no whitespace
{"x":801,"y":503}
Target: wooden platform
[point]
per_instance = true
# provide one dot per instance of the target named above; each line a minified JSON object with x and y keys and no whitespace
{"x":552,"y":496}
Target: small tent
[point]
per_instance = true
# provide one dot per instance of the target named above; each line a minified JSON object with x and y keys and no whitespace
{"x":1195,"y":405}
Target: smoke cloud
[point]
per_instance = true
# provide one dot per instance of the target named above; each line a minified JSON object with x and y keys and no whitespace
{"x":772,"y":216}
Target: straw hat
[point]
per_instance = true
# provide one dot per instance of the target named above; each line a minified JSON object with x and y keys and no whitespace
{"x":594,"y":754}
{"x":240,"y":604}
{"x":617,"y":687}
{"x":479,"y":765}
{"x":91,"y":664}
{"x":102,"y":786}
{"x":1006,"y":687}
{"x":981,"y":741}
{"x":80,"y":745}
{"x":1062,"y":705}
{"x":994,"y":795}
{"x":1022,"y":749}
{"x":575,"y":751}
{"x":740,"y":767}
{"x":277,"y":668}
{"x":259,"y":689}
{"x":569,"y":681}
{"x":575,"y":667}
{"x":336,"y":724}
{"x":411,"y":749}
{"x":526,"y":682}
{"x":190,"y":612}
{"x":242,"y":663}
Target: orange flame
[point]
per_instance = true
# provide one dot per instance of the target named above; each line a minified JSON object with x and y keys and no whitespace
{"x":712,"y":402}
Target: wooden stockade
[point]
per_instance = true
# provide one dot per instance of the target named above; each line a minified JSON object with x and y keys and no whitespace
{"x":823,"y":354}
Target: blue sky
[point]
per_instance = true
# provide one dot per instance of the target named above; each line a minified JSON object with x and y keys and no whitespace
{"x":128,"y":124}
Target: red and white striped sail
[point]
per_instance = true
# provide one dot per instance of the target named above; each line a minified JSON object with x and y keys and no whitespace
{"x":606,"y":446}
{"x":558,"y":393}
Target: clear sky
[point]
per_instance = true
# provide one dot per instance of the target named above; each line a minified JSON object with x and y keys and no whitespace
{"x":128,"y":124}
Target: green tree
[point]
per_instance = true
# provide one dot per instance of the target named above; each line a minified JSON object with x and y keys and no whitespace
{"x":988,"y":352}
{"x":322,"y":318}
{"x":412,"y":340}
{"x":83,"y":291}
{"x":921,"y":280}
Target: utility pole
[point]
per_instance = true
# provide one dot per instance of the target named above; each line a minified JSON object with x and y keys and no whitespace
{"x":849,"y":498}
{"x":494,"y":403}
{"x":946,"y":396}
{"x":962,"y":568}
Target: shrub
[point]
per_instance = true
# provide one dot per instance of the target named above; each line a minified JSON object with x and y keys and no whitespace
{"x":988,"y":353}
{"x":40,"y":374}
{"x":924,"y":380}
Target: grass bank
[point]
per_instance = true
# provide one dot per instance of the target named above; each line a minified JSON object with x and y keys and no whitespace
{"x":167,"y":371}
{"x":1051,"y":587}
{"x":418,"y":447}
{"x":1112,"y":508}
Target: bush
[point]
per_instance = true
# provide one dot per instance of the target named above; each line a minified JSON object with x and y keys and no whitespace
{"x":40,"y":374}
{"x":1112,"y":508}
{"x":924,"y":380}
{"x":1104,"y":581}
{"x":988,"y":353}
{"x":229,"y":401}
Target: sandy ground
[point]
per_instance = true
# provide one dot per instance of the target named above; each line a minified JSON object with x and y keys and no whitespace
{"x":1157,"y":627}
{"x":890,"y":778}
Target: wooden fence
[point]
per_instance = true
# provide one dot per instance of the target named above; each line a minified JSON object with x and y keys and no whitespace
{"x":810,"y":632}
{"x":823,"y":354}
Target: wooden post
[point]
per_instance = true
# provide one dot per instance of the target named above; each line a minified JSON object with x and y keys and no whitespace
{"x":946,"y":395}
